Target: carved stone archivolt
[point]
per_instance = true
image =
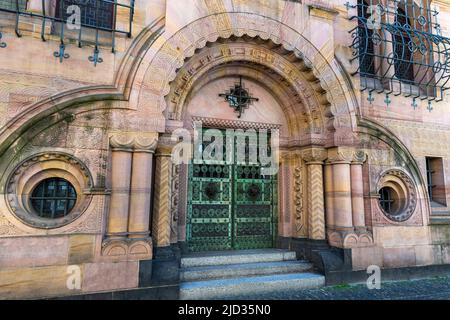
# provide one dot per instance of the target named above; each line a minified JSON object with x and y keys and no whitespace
{"x":29,"y":173}
{"x":164,"y":65}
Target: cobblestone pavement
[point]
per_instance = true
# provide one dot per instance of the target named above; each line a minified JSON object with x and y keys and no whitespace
{"x":426,"y":289}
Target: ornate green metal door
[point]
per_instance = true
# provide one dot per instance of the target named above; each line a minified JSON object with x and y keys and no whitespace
{"x":230,"y":207}
{"x":254,"y":205}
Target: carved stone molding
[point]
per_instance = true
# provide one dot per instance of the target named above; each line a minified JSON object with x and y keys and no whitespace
{"x":406,"y":189}
{"x":314,"y":155}
{"x":174,"y":202}
{"x":125,"y":249}
{"x":156,"y":80}
{"x":325,"y":6}
{"x":234,"y":124}
{"x":342,"y":239}
{"x":341,"y":155}
{"x":29,"y":173}
{"x":298,"y":189}
{"x":133,"y":142}
{"x":359,"y":157}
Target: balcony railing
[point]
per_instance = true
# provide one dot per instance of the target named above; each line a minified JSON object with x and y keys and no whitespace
{"x":80,"y":19}
{"x":400,"y":49}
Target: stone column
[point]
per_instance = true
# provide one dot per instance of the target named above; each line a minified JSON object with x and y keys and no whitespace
{"x":340,"y":159}
{"x":314,"y":158}
{"x":120,"y":186}
{"x":161,"y":208}
{"x":358,"y":192}
{"x":141,"y":188}
{"x":329,"y":201}
{"x":348,"y":201}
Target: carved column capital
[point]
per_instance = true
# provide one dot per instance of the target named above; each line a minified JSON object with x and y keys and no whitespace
{"x":359,"y":157}
{"x":166,"y":143}
{"x":314,"y":155}
{"x":341,"y":155}
{"x":137,"y":142}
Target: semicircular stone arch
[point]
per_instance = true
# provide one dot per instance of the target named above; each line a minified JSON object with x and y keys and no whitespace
{"x":301,"y":96}
{"x":163,"y":68}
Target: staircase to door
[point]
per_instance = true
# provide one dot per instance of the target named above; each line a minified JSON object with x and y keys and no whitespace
{"x":215,"y":275}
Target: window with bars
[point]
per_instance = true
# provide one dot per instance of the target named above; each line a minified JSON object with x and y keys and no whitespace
{"x":12,"y":4}
{"x":94,"y":13}
{"x":53,"y":198}
{"x":387,"y":200}
{"x":403,"y":42}
{"x":367,"y":60}
{"x":400,"y":47}
{"x":436,"y":180}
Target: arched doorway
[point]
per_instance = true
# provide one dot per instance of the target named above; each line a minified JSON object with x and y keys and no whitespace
{"x":215,"y":209}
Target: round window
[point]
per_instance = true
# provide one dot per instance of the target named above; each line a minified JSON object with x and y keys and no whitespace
{"x":397,"y":195}
{"x":53,"y":198}
{"x":389,"y":201}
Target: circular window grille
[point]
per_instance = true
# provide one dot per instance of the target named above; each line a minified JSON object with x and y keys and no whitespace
{"x":53,"y":198}
{"x":398,"y":196}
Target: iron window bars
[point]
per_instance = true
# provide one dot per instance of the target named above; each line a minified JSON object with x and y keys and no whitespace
{"x":93,"y":16}
{"x":53,"y":198}
{"x":401,"y":50}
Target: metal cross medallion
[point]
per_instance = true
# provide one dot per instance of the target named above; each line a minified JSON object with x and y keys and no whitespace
{"x":238,"y":98}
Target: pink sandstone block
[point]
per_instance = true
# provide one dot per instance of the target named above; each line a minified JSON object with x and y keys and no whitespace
{"x":110,"y":276}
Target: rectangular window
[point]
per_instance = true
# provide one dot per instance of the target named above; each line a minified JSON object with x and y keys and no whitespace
{"x":436,"y":181}
{"x":94,"y":13}
{"x":11,"y":4}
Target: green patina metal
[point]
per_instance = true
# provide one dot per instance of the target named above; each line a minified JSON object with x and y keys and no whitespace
{"x":231,"y":206}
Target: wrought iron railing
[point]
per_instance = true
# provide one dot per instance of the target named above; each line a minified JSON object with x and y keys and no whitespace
{"x":400,"y":49}
{"x":97,"y":15}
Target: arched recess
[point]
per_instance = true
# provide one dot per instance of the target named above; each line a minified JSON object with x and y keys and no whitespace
{"x":302,"y":98}
{"x":155,"y":84}
{"x":408,"y":162}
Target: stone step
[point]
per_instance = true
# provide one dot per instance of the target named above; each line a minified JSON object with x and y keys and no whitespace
{"x":243,"y":270}
{"x":211,"y":289}
{"x":236,"y":257}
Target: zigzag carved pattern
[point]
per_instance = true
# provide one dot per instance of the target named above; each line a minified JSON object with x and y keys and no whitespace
{"x":316,"y":203}
{"x":161,"y":220}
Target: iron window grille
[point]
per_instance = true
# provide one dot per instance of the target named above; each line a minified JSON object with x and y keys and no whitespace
{"x":400,"y":49}
{"x":53,"y":198}
{"x":96,"y":15}
{"x":386,"y":200}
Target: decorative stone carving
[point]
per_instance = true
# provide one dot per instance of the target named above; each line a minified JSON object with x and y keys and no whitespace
{"x":298,"y":188}
{"x":406,"y":191}
{"x":341,"y":155}
{"x":161,"y":207}
{"x":127,"y":249}
{"x":238,"y":124}
{"x":32,"y":171}
{"x":133,"y":142}
{"x":166,"y":62}
{"x":314,"y":155}
{"x":175,"y":186}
